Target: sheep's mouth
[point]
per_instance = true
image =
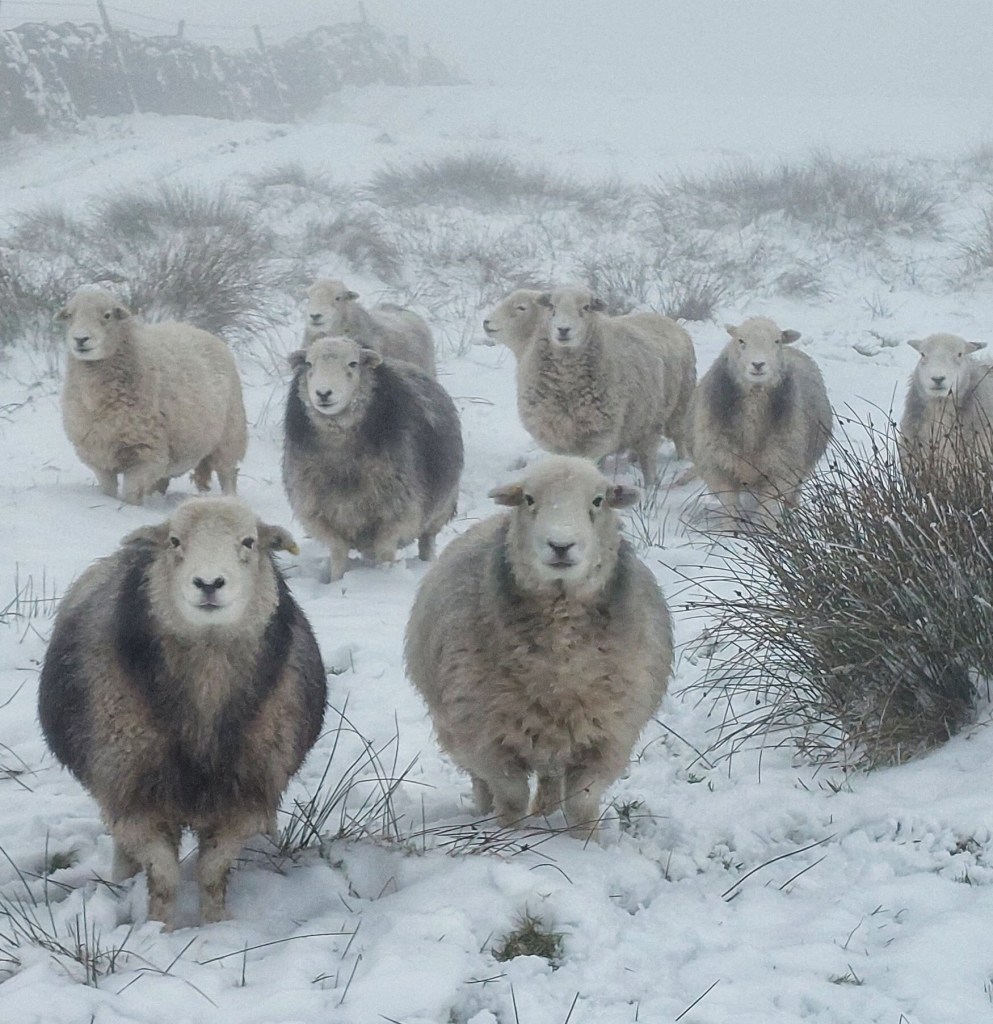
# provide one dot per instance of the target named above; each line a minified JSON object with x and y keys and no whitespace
{"x":561,"y":563}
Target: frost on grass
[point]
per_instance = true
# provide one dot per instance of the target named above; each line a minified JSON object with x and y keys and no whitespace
{"x":858,"y":633}
{"x":531,"y":937}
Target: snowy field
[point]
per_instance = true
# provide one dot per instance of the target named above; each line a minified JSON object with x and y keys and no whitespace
{"x":759,"y":891}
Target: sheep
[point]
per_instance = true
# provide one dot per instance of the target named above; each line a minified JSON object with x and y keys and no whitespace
{"x":759,"y":421}
{"x":594,"y":385}
{"x":372,"y":452}
{"x":542,"y":645}
{"x":393,"y":331}
{"x":515,"y":320}
{"x":948,"y":411}
{"x":183,"y":687}
{"x":149,"y":401}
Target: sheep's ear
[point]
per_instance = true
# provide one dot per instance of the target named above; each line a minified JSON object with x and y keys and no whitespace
{"x":789,"y":337}
{"x":732,"y":330}
{"x":597,"y":305}
{"x":370,"y":357}
{"x":545,"y":299}
{"x":350,"y":295}
{"x":915,"y":343}
{"x":297,"y":359}
{"x":148,"y":537}
{"x":974,"y":346}
{"x":508,"y":494}
{"x":275,"y":538}
{"x":63,"y":314}
{"x":121,"y":312}
{"x":623,"y":496}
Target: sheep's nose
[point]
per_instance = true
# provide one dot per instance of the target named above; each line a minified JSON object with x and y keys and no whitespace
{"x":210,"y":587}
{"x":938,"y":381}
{"x":316,"y":318}
{"x":486,"y":325}
{"x":564,"y":332}
{"x":81,"y":339}
{"x":324,"y":396}
{"x":758,"y":366}
{"x":561,"y":550}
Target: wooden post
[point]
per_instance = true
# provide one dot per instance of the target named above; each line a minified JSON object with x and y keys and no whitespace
{"x":277,"y":85}
{"x":109,"y":29}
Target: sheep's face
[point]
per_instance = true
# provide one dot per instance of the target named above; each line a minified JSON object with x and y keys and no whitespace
{"x":944,"y":366}
{"x":570,"y":315}
{"x":518,"y":314}
{"x":333,"y":371}
{"x":327,"y":302}
{"x":212,"y":561}
{"x":92,"y":319}
{"x":563,"y":528}
{"x":755,"y":353}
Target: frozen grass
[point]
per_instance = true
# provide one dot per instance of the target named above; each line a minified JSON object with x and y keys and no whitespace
{"x":531,"y":937}
{"x":858,"y":630}
{"x":976,"y":252}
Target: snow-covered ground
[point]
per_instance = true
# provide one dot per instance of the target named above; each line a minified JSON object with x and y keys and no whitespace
{"x":781,"y":895}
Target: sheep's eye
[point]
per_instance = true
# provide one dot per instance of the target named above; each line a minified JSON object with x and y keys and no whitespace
{"x":353,"y":365}
{"x":249,"y":542}
{"x":521,"y":309}
{"x":529,"y":499}
{"x":586,"y":308}
{"x":174,"y":541}
{"x":741,"y":342}
{"x":107,"y":315}
{"x":598,"y":501}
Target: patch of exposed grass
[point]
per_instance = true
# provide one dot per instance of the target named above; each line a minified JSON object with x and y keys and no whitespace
{"x":530,"y":937}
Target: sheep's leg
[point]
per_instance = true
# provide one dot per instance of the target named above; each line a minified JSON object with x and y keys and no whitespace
{"x":162,"y":485}
{"x":227,"y":476}
{"x":337,"y":558}
{"x":647,"y":457}
{"x":548,"y":797}
{"x":107,"y":481}
{"x":482,"y":795}
{"x":124,"y":865}
{"x":218,"y":849}
{"x":202,"y":474}
{"x":155,"y":846}
{"x":139,"y":481}
{"x":511,"y":794}
{"x":584,"y":785}
{"x":384,"y":550}
{"x":425,"y":546}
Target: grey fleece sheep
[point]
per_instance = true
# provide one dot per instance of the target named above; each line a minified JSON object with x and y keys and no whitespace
{"x":948,"y":411}
{"x":595,"y":385}
{"x":372,"y":452}
{"x":393,"y":331}
{"x":542,"y":645}
{"x":183,"y":687}
{"x":759,"y":421}
{"x":149,"y":401}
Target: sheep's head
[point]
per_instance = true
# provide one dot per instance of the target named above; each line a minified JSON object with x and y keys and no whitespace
{"x":332,"y":368}
{"x":93,"y":318}
{"x":517,"y":316}
{"x":755,"y":352}
{"x":570,"y":315}
{"x":563,"y":529}
{"x":211,"y":565}
{"x":326,"y":304}
{"x":944,"y":367}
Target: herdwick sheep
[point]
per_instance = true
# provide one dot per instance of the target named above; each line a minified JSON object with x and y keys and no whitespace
{"x":948,"y":411}
{"x":516,"y":319}
{"x":393,"y":331}
{"x":595,"y":385}
{"x":149,"y":401}
{"x":372,"y":453}
{"x":183,"y":687}
{"x":542,"y":645}
{"x":759,"y":421}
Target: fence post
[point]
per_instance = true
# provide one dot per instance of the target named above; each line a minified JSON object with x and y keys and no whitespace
{"x":267,"y":60}
{"x":108,"y":28}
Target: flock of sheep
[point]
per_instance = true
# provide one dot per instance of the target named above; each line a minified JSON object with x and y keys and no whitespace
{"x":183,"y":685}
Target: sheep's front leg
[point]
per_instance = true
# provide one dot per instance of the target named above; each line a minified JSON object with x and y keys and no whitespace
{"x":107,"y":479}
{"x":219,"y":846}
{"x":139,"y":481}
{"x":155,"y":846}
{"x":584,"y":785}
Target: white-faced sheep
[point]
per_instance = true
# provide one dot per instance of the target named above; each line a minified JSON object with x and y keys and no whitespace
{"x":948,"y":412}
{"x":593,"y":385}
{"x":759,"y":421}
{"x":516,"y":320}
{"x":542,"y":645}
{"x":183,"y":687}
{"x":149,"y":401}
{"x":393,"y":331}
{"x":372,"y":452}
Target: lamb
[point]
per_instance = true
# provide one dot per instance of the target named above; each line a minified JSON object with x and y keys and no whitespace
{"x":183,"y":687}
{"x":372,"y":453}
{"x":759,"y":421}
{"x":596,"y":385}
{"x":541,"y":644}
{"x":516,"y":319}
{"x":948,"y":410}
{"x":149,"y":401}
{"x":393,"y":331}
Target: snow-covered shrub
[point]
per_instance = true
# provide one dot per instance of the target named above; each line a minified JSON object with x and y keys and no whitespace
{"x":858,"y":632}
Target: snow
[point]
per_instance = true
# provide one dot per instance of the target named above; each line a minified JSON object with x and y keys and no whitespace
{"x":889,"y":921}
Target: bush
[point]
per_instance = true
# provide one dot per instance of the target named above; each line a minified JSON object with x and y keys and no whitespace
{"x":858,"y":630}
